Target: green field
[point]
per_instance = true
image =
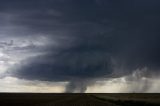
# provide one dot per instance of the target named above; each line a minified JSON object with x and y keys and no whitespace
{"x":68,"y":99}
{"x":133,"y":99}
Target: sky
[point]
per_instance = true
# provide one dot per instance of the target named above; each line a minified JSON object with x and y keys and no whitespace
{"x":80,"y":46}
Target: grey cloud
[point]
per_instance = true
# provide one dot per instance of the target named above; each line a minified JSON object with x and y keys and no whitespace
{"x":93,"y":35}
{"x":6,"y":43}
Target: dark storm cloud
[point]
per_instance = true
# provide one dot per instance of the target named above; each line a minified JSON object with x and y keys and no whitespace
{"x":94,"y":32}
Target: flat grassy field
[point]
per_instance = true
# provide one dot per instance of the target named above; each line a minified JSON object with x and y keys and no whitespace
{"x":78,"y":99}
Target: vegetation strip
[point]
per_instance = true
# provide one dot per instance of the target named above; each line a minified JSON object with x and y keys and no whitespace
{"x":126,"y":102}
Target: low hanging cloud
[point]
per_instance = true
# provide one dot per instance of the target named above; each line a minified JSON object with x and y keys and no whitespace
{"x":95,"y":41}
